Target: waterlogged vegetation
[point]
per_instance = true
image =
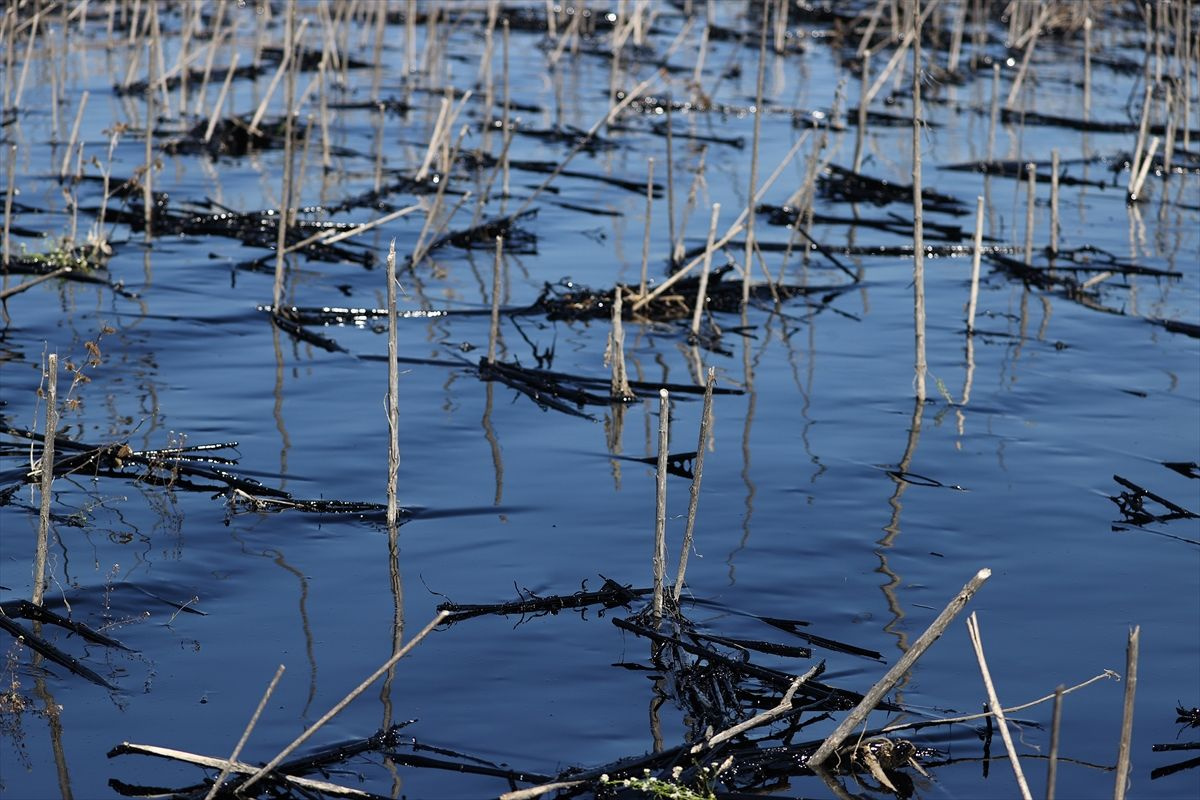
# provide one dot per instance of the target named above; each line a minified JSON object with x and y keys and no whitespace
{"x":644,"y":399}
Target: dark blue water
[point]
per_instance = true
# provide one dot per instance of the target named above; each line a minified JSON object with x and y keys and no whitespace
{"x":799,"y":516}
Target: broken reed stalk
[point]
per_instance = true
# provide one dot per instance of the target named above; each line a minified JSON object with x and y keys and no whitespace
{"x":8,"y":201}
{"x":216,"y":112}
{"x":393,"y":392}
{"x":1143,"y":130}
{"x":660,"y":504}
{"x":918,"y":213}
{"x":885,"y":684}
{"x":994,"y":114}
{"x":977,"y":644}
{"x":783,"y":707}
{"x":237,"y":750}
{"x":494,"y":328}
{"x":285,"y":200}
{"x":697,"y":472}
{"x":1054,"y":202}
{"x":976,"y":258}
{"x":66,"y":162}
{"x":758,"y":113}
{"x":702,"y":291}
{"x":1123,"y":751}
{"x":216,"y":39}
{"x":646,"y":234}
{"x":1030,"y":201}
{"x":294,"y":35}
{"x":47,"y":476}
{"x":860,"y":134}
{"x":1032,"y":35}
{"x":1135,"y":189}
{"x":33,"y":30}
{"x":619,"y":388}
{"x":337,"y":709}
{"x":1055,"y":730}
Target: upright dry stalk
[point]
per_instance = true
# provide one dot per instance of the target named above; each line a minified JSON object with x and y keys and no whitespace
{"x":47,"y":475}
{"x":33,"y":29}
{"x":997,"y":708}
{"x":758,"y":113}
{"x":1131,"y":665}
{"x":216,"y":112}
{"x":1030,"y":200}
{"x":66,"y":162}
{"x":918,"y":212}
{"x":1087,"y":68}
{"x":494,"y":329}
{"x":994,"y":113}
{"x":148,"y":177}
{"x":1135,"y":189}
{"x":646,"y":233}
{"x":1054,"y":202}
{"x":860,"y":134}
{"x":676,"y":246}
{"x":660,"y":505}
{"x":1032,"y":36}
{"x":976,"y":258}
{"x":237,"y":750}
{"x":285,"y":200}
{"x":1055,"y":730}
{"x":393,"y":392}
{"x":898,"y":670}
{"x":1143,"y":130}
{"x":697,"y":472}
{"x":8,"y":200}
{"x":702,"y":291}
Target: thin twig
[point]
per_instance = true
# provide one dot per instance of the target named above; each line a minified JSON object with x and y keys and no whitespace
{"x":977,"y":644}
{"x":212,"y":792}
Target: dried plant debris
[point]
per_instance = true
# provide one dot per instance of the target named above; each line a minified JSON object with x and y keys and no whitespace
{"x":530,"y":604}
{"x":13,"y":609}
{"x":1132,"y":505}
{"x":844,"y":185}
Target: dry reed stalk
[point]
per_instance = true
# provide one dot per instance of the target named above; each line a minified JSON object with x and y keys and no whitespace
{"x":994,"y":114}
{"x":148,"y":177}
{"x":1169,"y":116}
{"x":159,"y":81}
{"x":998,"y":709}
{"x":694,"y":496}
{"x":903,"y":665}
{"x":872,"y":23}
{"x":1029,"y":39}
{"x":956,"y":39}
{"x":1030,"y":202}
{"x":9,"y":168}
{"x":237,"y":750}
{"x":62,"y":174}
{"x":216,"y":39}
{"x":393,"y":392}
{"x":1135,"y":188}
{"x":1131,"y":664}
{"x":439,"y":126}
{"x":733,"y":230}
{"x":1055,"y":730}
{"x":1087,"y":69}
{"x":504,"y":114}
{"x":494,"y":328}
{"x":758,"y":112}
{"x":337,"y":709}
{"x":52,"y":60}
{"x":861,"y":132}
{"x":918,"y":213}
{"x":702,"y":291}
{"x":216,"y":112}
{"x":781,"y":708}
{"x":897,"y":56}
{"x":33,"y":29}
{"x":421,"y":249}
{"x":976,"y":258}
{"x":285,"y":198}
{"x":1143,"y":130}
{"x":333,"y":237}
{"x":291,"y":46}
{"x":646,"y":232}
{"x":47,"y":476}
{"x":1054,"y":223}
{"x":183,"y":63}
{"x":675,"y":244}
{"x":619,"y":388}
{"x":377,"y":55}
{"x":7,"y":32}
{"x":660,"y":504}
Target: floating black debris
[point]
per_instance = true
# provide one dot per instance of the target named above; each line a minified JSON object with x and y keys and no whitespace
{"x":610,"y":595}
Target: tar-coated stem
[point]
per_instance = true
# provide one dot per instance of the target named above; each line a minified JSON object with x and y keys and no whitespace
{"x":872,"y":698}
{"x":1131,"y":664}
{"x":918,"y":213}
{"x":286,"y":194}
{"x":345,"y":701}
{"x":47,"y":468}
{"x":1030,"y":202}
{"x":646,"y":234}
{"x":976,"y":258}
{"x":1055,"y":730}
{"x":393,"y":393}
{"x":237,"y":751}
{"x":494,"y":329}
{"x":8,"y":199}
{"x":697,"y":472}
{"x":702,"y":292}
{"x":1054,"y":202}
{"x":660,"y":505}
{"x":997,"y":708}
{"x":758,"y":113}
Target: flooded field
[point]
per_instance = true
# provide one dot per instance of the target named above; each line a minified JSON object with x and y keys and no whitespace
{"x":200,"y":200}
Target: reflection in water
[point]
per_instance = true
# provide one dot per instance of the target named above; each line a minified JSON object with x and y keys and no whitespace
{"x":305,"y":626}
{"x":614,"y":428}
{"x":751,"y":401}
{"x":286,"y":442}
{"x":396,"y":584}
{"x":892,"y":530}
{"x":490,"y":434}
{"x":52,"y":711}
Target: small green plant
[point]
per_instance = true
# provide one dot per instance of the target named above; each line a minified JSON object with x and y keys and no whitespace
{"x":673,"y":789}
